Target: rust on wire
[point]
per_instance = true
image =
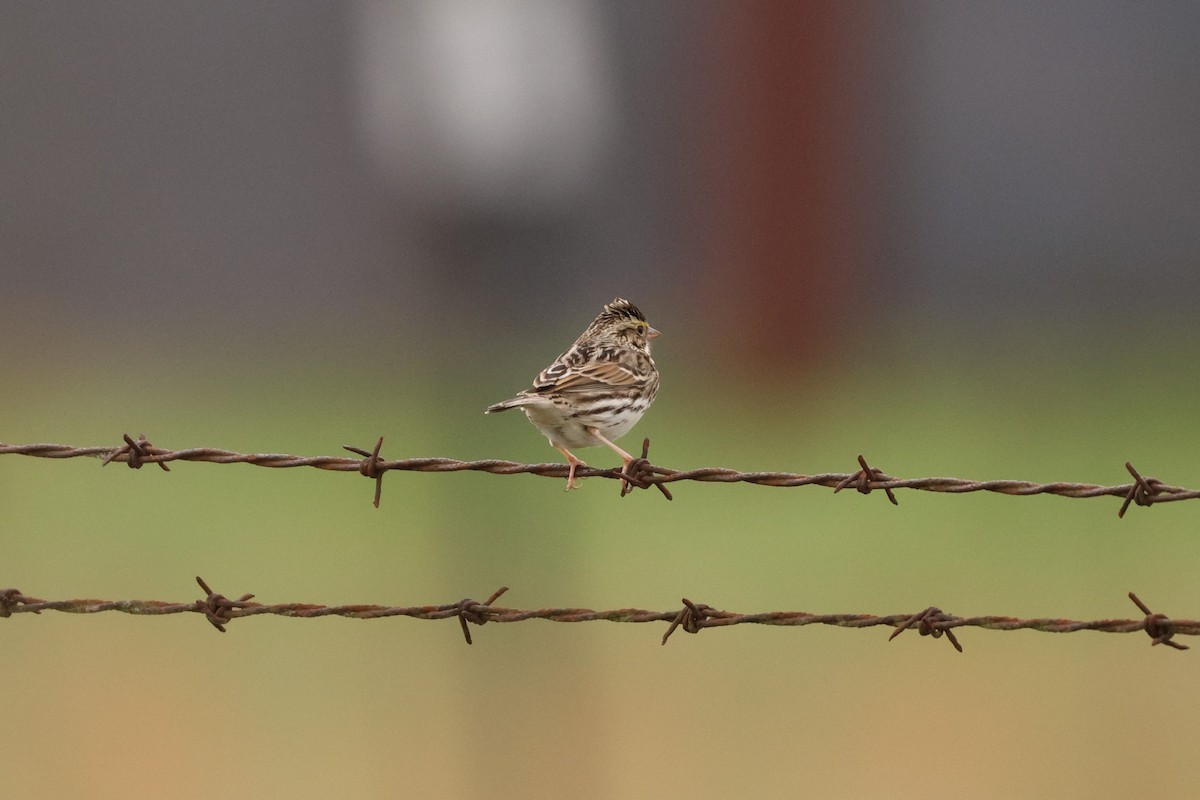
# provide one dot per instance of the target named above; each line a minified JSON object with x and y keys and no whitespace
{"x":693,"y":617}
{"x":641,"y":473}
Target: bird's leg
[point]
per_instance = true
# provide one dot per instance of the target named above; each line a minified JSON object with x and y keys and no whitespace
{"x":574,"y":462}
{"x":626,"y":459}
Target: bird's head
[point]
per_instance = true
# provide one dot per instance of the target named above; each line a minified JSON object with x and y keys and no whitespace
{"x":623,"y":323}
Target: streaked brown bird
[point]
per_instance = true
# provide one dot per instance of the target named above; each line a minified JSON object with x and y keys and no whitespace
{"x":597,"y":390}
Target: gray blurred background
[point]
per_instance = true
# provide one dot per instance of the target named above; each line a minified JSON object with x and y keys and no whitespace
{"x":957,"y":237}
{"x":802,"y":172}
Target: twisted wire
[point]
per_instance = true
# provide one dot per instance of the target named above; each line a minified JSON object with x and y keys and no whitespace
{"x":693,"y":617}
{"x":135,"y":453}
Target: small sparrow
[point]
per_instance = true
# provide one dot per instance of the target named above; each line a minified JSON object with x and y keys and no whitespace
{"x":598,"y":389}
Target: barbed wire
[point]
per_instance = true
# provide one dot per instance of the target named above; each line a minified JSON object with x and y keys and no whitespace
{"x":692,"y":617}
{"x":135,"y":453}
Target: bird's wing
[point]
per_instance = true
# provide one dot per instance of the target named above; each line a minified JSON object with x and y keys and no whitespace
{"x":560,"y":377}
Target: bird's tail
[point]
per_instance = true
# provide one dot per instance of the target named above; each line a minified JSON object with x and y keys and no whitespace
{"x":506,"y":405}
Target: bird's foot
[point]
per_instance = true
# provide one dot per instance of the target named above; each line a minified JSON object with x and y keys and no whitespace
{"x":572,"y":481}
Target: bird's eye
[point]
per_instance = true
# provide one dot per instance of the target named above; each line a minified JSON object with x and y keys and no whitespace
{"x":641,"y":328}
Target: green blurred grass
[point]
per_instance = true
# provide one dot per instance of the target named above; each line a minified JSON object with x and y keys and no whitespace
{"x":538,"y":709}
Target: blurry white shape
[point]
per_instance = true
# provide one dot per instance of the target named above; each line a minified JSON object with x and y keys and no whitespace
{"x":484,"y":104}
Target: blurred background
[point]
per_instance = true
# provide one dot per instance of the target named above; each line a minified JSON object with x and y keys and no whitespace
{"x":957,"y":238}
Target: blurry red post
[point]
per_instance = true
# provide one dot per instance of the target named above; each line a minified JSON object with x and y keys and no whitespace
{"x":790,"y":132}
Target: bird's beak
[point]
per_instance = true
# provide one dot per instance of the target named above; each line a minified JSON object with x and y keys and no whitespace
{"x":651,"y":333}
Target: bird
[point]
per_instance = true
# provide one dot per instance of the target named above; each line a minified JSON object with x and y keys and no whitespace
{"x":597,"y":390}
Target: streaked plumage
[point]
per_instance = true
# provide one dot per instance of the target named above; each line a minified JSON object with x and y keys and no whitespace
{"x":598,"y":389}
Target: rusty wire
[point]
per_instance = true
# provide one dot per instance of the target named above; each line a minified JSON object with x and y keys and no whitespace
{"x":692,"y":617}
{"x":642,"y":474}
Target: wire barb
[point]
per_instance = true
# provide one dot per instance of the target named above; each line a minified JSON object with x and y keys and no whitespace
{"x":218,"y":608}
{"x":370,"y":466}
{"x":863,"y":479}
{"x":477,"y":613}
{"x":640,"y":473}
{"x":1157,"y":626}
{"x":134,"y":453}
{"x":691,"y":618}
{"x":11,"y":598}
{"x":1141,"y":491}
{"x":930,"y":622}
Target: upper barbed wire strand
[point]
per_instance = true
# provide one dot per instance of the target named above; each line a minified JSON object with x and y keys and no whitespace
{"x":1143,"y":491}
